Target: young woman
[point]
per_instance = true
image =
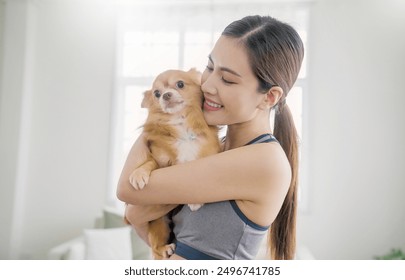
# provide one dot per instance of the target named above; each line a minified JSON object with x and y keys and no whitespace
{"x":251,"y":187}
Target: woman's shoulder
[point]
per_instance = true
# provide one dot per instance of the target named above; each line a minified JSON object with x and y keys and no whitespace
{"x":266,"y":162}
{"x":266,"y":154}
{"x":271,"y":157}
{"x":270,"y":171}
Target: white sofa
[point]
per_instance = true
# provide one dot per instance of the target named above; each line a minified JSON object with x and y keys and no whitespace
{"x":110,"y":239}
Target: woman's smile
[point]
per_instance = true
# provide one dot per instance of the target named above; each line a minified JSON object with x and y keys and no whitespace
{"x":210,"y":105}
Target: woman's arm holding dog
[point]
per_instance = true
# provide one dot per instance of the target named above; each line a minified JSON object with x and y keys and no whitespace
{"x":140,"y":215}
{"x":254,"y":173}
{"x":137,"y":155}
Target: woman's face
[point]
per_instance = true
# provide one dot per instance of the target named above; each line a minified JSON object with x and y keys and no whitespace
{"x":229,"y":85}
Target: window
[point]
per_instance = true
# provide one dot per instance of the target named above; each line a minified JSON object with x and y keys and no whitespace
{"x":152,"y":38}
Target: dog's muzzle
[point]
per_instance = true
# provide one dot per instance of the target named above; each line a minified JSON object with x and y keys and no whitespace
{"x":167,"y":95}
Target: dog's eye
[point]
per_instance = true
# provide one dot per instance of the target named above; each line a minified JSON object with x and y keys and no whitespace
{"x":180,"y":84}
{"x":156,"y":93}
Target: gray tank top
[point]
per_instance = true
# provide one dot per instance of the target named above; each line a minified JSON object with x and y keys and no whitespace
{"x":218,"y":231}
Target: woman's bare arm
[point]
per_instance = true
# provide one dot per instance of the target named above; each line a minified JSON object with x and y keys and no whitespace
{"x":250,"y":173}
{"x":140,"y":215}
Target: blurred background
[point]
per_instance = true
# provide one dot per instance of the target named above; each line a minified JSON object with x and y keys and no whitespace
{"x":72,"y":73}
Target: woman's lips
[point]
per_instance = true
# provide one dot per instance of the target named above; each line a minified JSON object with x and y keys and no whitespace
{"x":211,"y":106}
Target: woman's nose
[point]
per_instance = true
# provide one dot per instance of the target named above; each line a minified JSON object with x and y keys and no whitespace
{"x":207,"y":85}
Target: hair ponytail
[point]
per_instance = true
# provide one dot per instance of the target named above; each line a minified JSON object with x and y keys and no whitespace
{"x":282,"y":232}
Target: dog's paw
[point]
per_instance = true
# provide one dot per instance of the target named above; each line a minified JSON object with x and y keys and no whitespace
{"x":139,"y":178}
{"x":169,"y":249}
{"x":195,"y":207}
{"x":164,"y":252}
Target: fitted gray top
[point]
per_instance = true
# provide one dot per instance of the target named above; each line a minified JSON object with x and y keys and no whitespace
{"x":218,"y":230}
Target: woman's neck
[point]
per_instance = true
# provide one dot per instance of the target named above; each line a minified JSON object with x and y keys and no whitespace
{"x":238,"y":135}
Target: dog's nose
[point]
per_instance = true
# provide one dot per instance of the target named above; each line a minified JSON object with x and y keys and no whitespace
{"x":167,"y":96}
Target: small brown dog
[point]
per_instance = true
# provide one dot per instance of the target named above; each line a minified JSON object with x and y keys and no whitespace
{"x":176,"y":132}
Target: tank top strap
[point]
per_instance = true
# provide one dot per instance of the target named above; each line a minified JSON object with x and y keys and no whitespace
{"x":264,"y":138}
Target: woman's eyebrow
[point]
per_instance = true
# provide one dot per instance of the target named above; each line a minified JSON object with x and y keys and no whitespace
{"x":226,"y":69}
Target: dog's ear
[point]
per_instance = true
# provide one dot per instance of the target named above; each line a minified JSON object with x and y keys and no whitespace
{"x":146,"y":102}
{"x":196,"y":75}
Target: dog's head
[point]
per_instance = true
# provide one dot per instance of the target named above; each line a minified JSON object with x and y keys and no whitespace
{"x":173,"y":91}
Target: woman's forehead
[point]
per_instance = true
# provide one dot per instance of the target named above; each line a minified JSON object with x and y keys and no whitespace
{"x":230,"y":53}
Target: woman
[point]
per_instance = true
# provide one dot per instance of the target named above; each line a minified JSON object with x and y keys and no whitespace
{"x":252,"y":184}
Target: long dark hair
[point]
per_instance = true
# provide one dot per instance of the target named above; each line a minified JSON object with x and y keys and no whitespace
{"x":275,"y":52}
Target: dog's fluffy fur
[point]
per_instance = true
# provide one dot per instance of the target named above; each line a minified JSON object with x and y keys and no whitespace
{"x":176,"y":132}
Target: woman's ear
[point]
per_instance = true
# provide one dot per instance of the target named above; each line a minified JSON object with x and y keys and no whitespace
{"x":272,"y":97}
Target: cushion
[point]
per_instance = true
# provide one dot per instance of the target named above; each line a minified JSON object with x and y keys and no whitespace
{"x":113,"y":219}
{"x":108,"y":244}
{"x":77,"y":252}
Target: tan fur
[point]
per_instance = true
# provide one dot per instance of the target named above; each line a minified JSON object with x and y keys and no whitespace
{"x":176,"y":132}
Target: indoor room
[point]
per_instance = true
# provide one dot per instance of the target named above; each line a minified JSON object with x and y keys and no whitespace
{"x":72,"y":77}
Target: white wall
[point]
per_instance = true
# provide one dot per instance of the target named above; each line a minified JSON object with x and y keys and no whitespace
{"x":12,"y":92}
{"x":57,"y":138}
{"x":356,"y":130}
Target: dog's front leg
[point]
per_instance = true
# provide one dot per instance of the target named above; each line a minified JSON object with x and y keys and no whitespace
{"x":140,"y":176}
{"x":159,"y":233}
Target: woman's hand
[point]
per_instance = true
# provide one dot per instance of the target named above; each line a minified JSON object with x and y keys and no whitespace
{"x":139,"y":216}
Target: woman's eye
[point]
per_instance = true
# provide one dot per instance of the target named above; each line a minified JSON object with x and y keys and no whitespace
{"x":180,"y":84}
{"x":227,"y":82}
{"x":156,"y":93}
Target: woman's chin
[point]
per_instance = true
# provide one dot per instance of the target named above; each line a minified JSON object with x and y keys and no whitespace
{"x":210,"y":119}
